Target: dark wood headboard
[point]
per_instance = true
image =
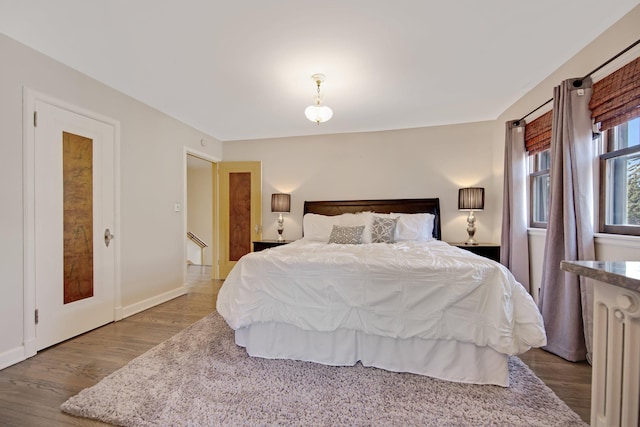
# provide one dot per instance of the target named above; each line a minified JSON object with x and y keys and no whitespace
{"x":339,"y":207}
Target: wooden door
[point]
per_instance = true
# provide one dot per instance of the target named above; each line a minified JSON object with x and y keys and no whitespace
{"x":74,"y":207}
{"x":239,"y":211}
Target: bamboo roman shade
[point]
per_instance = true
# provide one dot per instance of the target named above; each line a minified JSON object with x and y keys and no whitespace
{"x":616,"y":98}
{"x":537,"y":134}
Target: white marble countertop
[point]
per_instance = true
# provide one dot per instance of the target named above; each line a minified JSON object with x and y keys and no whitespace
{"x":625,"y":274}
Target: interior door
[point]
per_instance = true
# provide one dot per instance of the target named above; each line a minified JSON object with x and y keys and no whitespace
{"x":239,"y":211}
{"x":74,"y":217}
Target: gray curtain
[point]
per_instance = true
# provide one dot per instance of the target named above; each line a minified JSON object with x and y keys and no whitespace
{"x":514,"y":242}
{"x":566,"y":299}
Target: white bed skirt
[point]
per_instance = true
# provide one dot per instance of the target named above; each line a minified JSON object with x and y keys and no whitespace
{"x":443,"y":359}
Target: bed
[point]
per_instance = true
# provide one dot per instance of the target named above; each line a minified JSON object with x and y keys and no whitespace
{"x":415,"y":304}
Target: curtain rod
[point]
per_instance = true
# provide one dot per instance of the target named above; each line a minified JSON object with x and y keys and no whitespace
{"x":578,"y":82}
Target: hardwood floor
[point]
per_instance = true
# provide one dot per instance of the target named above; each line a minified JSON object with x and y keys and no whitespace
{"x":570,"y":381}
{"x":32,"y":391}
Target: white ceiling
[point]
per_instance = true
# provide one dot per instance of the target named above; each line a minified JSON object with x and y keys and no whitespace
{"x":241,"y":69}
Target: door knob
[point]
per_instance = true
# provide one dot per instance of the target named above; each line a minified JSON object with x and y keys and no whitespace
{"x":108,"y":237}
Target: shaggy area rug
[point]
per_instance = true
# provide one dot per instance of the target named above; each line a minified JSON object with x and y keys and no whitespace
{"x":201,"y":378}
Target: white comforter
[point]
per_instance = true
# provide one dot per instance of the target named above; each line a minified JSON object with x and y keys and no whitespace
{"x":411,"y":289}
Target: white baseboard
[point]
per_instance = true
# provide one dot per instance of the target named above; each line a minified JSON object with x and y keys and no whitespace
{"x":132,"y":309}
{"x":18,"y":354}
{"x":117,"y":313}
{"x":30,"y":348}
{"x":11,"y":357}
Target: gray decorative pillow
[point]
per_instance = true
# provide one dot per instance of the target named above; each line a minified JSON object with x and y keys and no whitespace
{"x":383,"y":230}
{"x":346,"y":235}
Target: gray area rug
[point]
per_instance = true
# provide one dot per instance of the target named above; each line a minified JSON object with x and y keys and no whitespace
{"x":201,"y":378}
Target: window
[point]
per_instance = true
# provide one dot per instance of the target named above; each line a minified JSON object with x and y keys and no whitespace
{"x":539,"y":165}
{"x":620,"y":179}
{"x":537,"y":142}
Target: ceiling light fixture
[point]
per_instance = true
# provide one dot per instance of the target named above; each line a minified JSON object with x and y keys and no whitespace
{"x":318,"y":113}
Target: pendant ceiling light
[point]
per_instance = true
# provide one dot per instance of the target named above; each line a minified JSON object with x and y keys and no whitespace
{"x":318,"y":113}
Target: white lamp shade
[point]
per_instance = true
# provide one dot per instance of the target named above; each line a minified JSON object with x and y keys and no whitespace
{"x":318,"y":113}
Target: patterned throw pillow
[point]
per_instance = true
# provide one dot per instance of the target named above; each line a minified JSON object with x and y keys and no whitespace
{"x":346,"y":235}
{"x":383,"y":229}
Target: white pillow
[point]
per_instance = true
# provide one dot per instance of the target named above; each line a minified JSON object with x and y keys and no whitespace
{"x":414,"y":227}
{"x":354,"y":220}
{"x":317,"y":227}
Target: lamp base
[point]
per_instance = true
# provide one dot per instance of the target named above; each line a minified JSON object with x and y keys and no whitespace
{"x":471,"y":229}
{"x":280,"y":228}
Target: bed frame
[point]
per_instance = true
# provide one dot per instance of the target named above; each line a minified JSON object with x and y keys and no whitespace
{"x":339,"y":207}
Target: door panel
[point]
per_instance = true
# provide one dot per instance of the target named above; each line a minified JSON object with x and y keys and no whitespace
{"x":77,"y":175}
{"x":74,"y":189}
{"x":240,"y":211}
{"x":239,"y":214}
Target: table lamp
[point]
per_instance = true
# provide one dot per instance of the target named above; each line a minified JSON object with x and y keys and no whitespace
{"x":471,"y":199}
{"x":280,"y":203}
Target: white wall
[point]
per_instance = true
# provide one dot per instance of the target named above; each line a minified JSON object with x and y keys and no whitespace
{"x":615,"y":39}
{"x":413,"y":163}
{"x":608,"y":248}
{"x":200,"y":205}
{"x":151,"y":236}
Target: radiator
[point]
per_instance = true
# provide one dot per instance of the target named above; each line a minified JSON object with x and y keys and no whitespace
{"x":615,"y":385}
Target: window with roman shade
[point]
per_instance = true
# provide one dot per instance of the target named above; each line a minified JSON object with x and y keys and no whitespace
{"x":616,"y":98}
{"x":615,"y":108}
{"x":537,"y":134}
{"x":537,"y":141}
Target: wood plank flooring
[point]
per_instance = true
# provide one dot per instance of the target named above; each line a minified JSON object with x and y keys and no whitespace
{"x":570,"y":381}
{"x":32,"y":391}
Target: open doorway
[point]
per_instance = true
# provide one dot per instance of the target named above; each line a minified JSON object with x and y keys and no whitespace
{"x":200,"y":242}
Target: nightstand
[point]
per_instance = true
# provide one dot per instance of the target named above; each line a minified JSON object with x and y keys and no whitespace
{"x":261,"y":245}
{"x":487,"y":250}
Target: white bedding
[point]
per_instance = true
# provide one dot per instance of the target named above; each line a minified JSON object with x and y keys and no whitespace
{"x":429,"y":290}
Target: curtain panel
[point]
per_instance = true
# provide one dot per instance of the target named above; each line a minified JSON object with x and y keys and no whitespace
{"x":514,"y":240}
{"x":566,"y":299}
